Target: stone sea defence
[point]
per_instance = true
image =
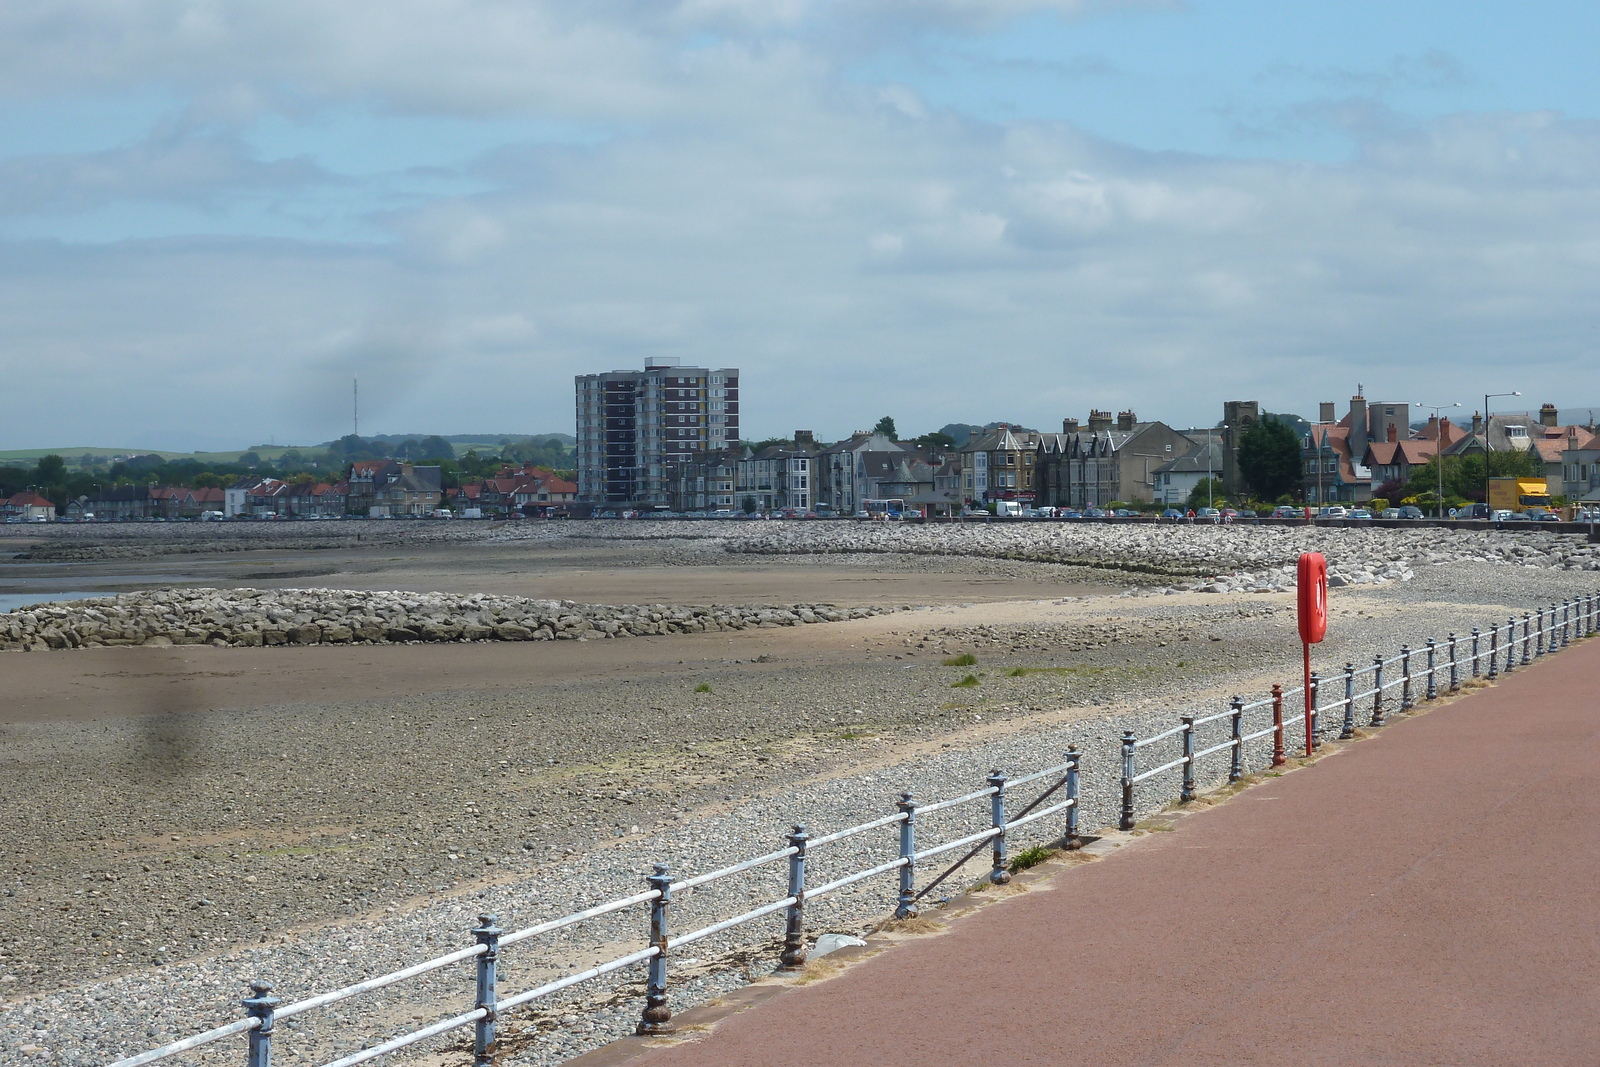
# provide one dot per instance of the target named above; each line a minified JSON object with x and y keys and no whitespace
{"x":1215,"y":559}
{"x":251,"y":617}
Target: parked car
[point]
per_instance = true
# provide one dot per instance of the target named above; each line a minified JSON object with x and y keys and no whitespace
{"x":1360,"y":513}
{"x":1125,"y":513}
{"x":1287,"y":511}
{"x":1410,"y":511}
{"x":1211,"y":515}
{"x":1333,"y":511}
{"x":1542,"y":515}
{"x":1070,"y":513}
{"x":1475,"y":511}
{"x":1172,"y":514}
{"x":1502,"y":514}
{"x":1094,"y":513}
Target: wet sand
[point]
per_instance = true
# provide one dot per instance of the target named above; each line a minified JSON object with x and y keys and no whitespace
{"x":616,"y":574}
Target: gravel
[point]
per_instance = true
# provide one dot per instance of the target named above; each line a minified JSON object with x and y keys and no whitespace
{"x":565,"y":797}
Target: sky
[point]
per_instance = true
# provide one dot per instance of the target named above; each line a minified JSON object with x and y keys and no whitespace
{"x":213,"y":216}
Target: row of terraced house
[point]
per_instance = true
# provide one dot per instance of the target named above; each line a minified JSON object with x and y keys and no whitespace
{"x":372,"y":488}
{"x":1103,"y":460}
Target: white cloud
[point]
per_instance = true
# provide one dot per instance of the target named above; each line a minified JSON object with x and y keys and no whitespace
{"x":854,"y":249}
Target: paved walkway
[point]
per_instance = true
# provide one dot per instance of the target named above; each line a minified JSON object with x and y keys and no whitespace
{"x":1431,"y":896}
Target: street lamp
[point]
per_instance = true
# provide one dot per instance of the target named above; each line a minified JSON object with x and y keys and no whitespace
{"x":1438,"y":445}
{"x":1211,"y":485}
{"x":1486,"y":399}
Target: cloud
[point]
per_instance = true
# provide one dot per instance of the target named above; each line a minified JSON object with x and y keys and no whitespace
{"x":626,"y":60}
{"x":853,"y":248}
{"x":1434,"y":69}
{"x":196,"y":170}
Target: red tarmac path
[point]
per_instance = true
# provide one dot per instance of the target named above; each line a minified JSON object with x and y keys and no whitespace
{"x":1430,"y":896}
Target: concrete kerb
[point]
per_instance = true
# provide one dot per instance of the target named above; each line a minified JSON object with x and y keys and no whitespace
{"x":696,"y":1022}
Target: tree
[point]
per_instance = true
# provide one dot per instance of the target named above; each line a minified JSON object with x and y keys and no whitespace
{"x":436,"y":447}
{"x":936,"y":441}
{"x":885,"y":426}
{"x":1207,"y":493}
{"x":1269,"y":458}
{"x":51,"y":470}
{"x":1463,"y":475}
{"x":748,"y":504}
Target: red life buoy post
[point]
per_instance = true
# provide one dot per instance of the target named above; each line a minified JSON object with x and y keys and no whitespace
{"x":1311,"y":586}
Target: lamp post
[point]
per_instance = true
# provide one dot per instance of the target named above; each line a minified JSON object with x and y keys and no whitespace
{"x":1438,"y":446}
{"x":1211,"y":486}
{"x":1486,"y":398}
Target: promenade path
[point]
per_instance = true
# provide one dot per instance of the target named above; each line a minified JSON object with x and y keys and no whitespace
{"x":1429,"y":896}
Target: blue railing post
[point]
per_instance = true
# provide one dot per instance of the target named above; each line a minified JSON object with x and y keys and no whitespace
{"x":657,"y":1017}
{"x":1477,"y":636}
{"x":1511,"y":644}
{"x":794,"y":929}
{"x":1236,"y":731}
{"x":906,"y":905}
{"x":260,"y":1004}
{"x":1455,"y":673}
{"x":1494,"y":652}
{"x":1377,"y":689}
{"x":1348,"y":730}
{"x":1186,"y":792}
{"x":1129,"y":750}
{"x":1566,"y":622}
{"x":1074,"y":758}
{"x":488,"y":935}
{"x":1538,"y":637}
{"x":1405,"y":678}
{"x":1433,"y":669}
{"x":1527,"y":638}
{"x":998,"y":875}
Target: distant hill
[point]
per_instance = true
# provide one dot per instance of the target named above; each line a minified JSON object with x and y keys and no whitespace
{"x":82,"y":457}
{"x":469,"y":439}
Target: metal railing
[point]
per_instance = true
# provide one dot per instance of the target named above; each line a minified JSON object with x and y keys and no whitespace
{"x":1502,"y":647}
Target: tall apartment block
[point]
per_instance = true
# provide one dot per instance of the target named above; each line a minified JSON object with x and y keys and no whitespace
{"x":634,"y":425}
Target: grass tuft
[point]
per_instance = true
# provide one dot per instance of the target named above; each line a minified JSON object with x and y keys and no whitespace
{"x":703,"y":687}
{"x":969,"y":682}
{"x":1023,"y":672}
{"x":1030,"y":857}
{"x":966,"y":659}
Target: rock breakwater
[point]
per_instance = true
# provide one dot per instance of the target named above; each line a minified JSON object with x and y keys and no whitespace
{"x":1214,"y":559}
{"x":252,"y":617}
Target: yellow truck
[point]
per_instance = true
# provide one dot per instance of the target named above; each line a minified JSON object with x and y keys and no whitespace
{"x":1518,"y":494}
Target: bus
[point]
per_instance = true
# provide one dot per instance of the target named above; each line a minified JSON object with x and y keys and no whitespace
{"x":891,"y":508}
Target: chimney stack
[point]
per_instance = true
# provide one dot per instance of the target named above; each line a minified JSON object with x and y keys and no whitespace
{"x":1445,"y":428}
{"x":1125,"y":420}
{"x":804,"y":437}
{"x":1327,"y":412}
{"x":1477,"y":423}
{"x":1099,"y":420}
{"x":1394,"y":432}
{"x":1548,"y":415}
{"x":1069,"y":425}
{"x":1358,"y":426}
